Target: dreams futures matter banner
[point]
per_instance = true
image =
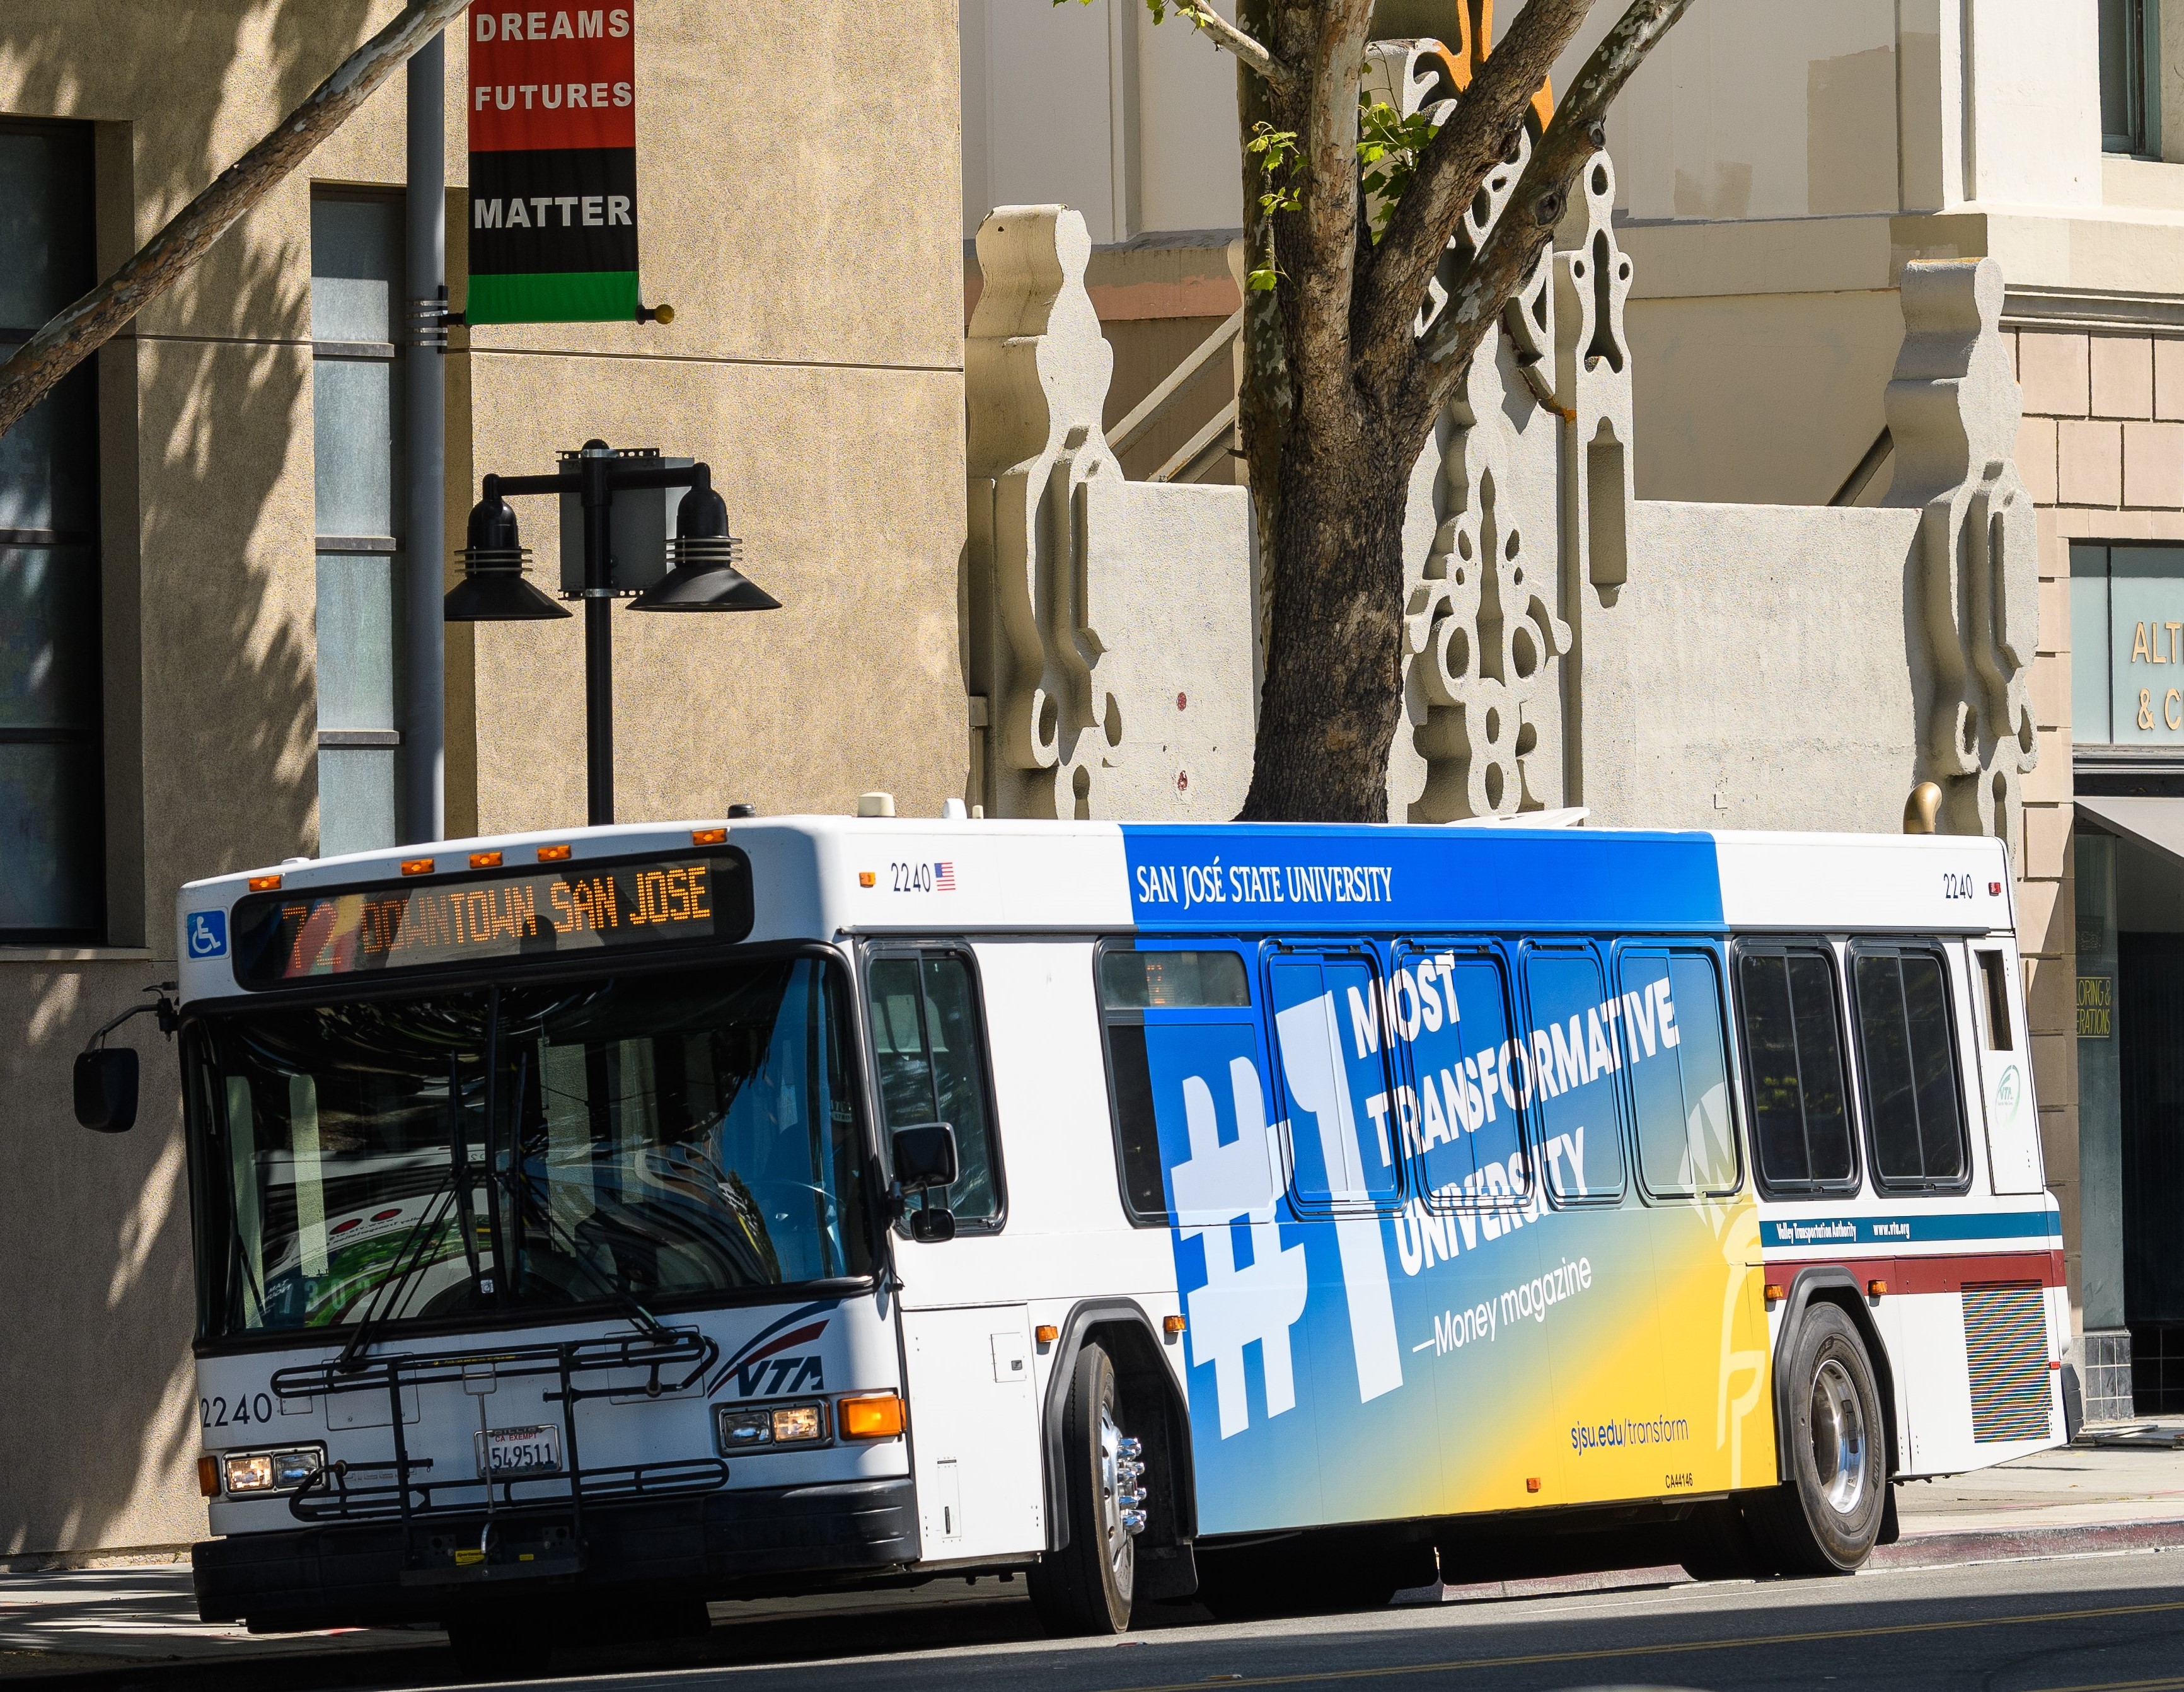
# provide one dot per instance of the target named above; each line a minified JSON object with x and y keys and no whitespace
{"x":553,"y":101}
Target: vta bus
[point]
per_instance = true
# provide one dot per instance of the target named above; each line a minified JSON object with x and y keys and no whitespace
{"x":616,"y":1219}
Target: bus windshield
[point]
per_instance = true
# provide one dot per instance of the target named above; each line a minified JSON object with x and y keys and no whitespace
{"x":529,"y":1147}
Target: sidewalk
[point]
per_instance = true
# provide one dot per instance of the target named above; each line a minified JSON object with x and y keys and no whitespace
{"x":2116,"y":1496}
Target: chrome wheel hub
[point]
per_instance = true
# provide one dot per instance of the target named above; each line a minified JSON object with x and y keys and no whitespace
{"x":1841,"y":1455}
{"x":1122,"y":1496}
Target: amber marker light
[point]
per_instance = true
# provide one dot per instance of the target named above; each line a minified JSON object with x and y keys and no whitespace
{"x":1876,"y":1289}
{"x":416,"y":866}
{"x":208,"y":1476}
{"x":1775,"y":1293}
{"x":553,"y":854}
{"x":1046,"y":1333}
{"x":879,"y":1417}
{"x":708,"y":836}
{"x":1173,"y":1325}
{"x":866,"y":879}
{"x":265,"y":883}
{"x":1531,"y":1483}
{"x":485,"y":860}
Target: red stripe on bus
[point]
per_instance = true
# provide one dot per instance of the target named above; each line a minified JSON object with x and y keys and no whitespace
{"x":1941,"y":1274}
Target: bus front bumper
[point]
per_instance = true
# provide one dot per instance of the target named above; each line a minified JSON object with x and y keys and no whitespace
{"x":350,"y":1576}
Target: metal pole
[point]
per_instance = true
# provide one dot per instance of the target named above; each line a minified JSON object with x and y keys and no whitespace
{"x":424,"y":715}
{"x":597,"y":497}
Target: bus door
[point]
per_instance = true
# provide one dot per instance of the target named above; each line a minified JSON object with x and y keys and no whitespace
{"x":1465,"y":1240}
{"x":1345,"y":1182}
{"x":973,"y":1417}
{"x":1598,"y":1301}
{"x":1715,"y":1428}
{"x":2003,"y":1081}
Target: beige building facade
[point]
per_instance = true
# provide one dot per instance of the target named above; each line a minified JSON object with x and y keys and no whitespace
{"x":195,"y":509}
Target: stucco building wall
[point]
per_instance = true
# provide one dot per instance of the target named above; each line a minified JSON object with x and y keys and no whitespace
{"x":815,"y":363}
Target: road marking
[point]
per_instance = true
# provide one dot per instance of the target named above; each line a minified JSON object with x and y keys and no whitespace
{"x":1464,"y":1664}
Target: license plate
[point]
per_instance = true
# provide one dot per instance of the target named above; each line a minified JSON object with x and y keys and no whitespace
{"x":507,"y":1454}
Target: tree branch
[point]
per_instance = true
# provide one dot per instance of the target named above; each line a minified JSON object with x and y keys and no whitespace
{"x":1248,"y":51}
{"x":1455,"y":164}
{"x":80,"y":329}
{"x":1527,"y":225}
{"x":1328,"y":220}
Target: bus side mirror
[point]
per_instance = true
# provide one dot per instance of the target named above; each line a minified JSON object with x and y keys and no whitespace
{"x":106,"y":1089}
{"x":924,"y":1157}
{"x":924,"y":1162}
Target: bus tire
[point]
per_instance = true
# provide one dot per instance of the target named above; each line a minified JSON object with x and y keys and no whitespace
{"x":1826,"y":1514}
{"x":1088,"y":1586}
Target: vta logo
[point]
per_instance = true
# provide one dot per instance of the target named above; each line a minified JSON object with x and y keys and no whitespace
{"x":767,"y":1365}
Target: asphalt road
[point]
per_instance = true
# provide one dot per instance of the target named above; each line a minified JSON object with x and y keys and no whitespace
{"x":2087,"y":1624}
{"x":2092,"y":1623}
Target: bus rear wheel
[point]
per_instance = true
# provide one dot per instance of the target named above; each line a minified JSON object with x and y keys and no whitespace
{"x":1826,"y":1514}
{"x":1089,"y":1585}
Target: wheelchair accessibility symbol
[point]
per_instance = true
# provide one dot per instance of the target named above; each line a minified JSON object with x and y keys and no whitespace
{"x":208,"y":934}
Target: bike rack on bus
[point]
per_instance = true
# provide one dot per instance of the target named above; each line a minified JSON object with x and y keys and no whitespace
{"x":670,"y":1362}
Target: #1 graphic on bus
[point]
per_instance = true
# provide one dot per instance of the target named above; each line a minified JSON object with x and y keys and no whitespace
{"x":1404,"y":1218}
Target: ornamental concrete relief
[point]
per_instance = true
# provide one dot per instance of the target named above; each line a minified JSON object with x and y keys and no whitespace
{"x":1565,"y":644}
{"x":1953,"y":411}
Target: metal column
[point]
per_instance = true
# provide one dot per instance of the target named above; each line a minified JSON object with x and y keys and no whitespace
{"x":423,"y":713}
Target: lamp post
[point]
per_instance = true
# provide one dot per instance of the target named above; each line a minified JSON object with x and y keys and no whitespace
{"x":703,"y":577}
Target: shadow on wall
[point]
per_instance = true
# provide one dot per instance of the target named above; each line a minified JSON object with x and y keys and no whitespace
{"x":209,"y":578}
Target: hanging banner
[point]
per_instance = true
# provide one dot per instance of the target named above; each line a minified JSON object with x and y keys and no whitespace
{"x":553,"y":102}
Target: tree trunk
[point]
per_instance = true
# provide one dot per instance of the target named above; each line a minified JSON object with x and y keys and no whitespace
{"x":1334,"y":691}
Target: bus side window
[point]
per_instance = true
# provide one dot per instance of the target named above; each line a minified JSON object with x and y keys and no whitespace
{"x":1326,"y":1014}
{"x":1994,"y":974}
{"x":1799,"y":1088}
{"x":1175,"y":989}
{"x":1450,"y":1011}
{"x":1914,"y":1107}
{"x":1575,"y":1056}
{"x":1673,"y":1043}
{"x":929,"y":1045}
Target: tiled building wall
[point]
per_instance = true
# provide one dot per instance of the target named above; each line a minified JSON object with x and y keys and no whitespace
{"x":2101,"y":450}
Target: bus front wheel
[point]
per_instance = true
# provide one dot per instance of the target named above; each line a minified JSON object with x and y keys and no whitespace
{"x":1087,"y":1587}
{"x":1826,"y":1514}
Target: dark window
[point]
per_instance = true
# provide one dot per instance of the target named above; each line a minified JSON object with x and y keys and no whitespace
{"x":1327,"y":1041}
{"x":1173,"y":981}
{"x":1794,"y":1058}
{"x":1465,"y":1127}
{"x":1914,"y":1105}
{"x":2124,"y":40}
{"x":1131,"y":984}
{"x":1994,"y":972}
{"x":928,"y":1041}
{"x":51,"y":773}
{"x":1581,"y":1117}
{"x":1672,"y":1038}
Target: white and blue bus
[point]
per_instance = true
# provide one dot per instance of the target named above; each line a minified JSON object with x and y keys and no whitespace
{"x":616,"y":1220}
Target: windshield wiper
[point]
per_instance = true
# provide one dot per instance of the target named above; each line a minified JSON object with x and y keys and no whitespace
{"x":518,"y":1188}
{"x":388,"y":1293}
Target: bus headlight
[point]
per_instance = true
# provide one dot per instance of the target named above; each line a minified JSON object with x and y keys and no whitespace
{"x":763,"y":1428}
{"x":270,"y":1471}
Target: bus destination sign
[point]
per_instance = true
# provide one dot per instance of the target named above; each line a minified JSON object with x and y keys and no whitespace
{"x":525,"y":915}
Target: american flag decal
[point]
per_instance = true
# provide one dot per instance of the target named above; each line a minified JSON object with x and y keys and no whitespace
{"x":943,"y":878}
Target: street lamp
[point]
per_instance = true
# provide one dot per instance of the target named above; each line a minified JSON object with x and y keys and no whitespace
{"x":704,"y":576}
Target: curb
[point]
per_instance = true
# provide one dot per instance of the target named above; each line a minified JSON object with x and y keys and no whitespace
{"x":1987,"y":1545}
{"x":1914,"y":1552}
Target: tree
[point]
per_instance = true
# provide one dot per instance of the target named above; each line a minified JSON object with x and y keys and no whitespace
{"x":1349,"y":217}
{"x":80,"y":329}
